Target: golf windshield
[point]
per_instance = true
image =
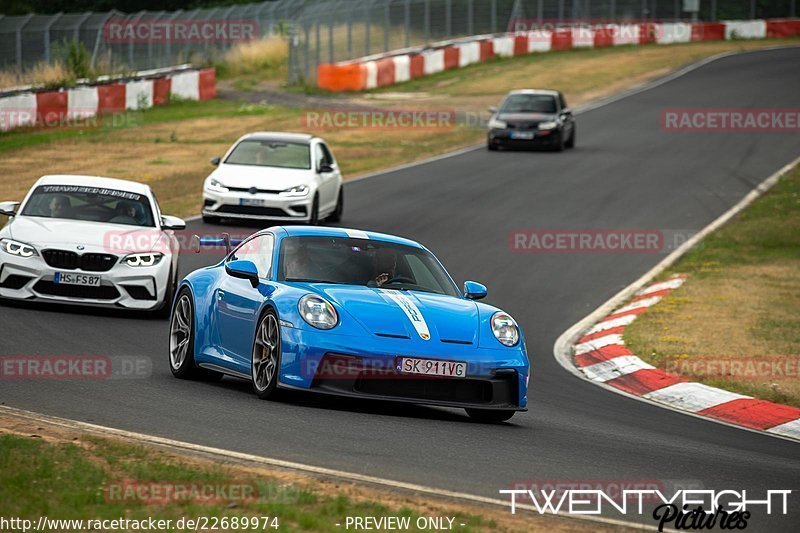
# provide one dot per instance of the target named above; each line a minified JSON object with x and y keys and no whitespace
{"x":529,"y":103}
{"x":271,"y":154}
{"x":90,"y":204}
{"x":362,"y":262}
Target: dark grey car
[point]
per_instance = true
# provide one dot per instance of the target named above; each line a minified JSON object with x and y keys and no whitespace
{"x":532,"y":118}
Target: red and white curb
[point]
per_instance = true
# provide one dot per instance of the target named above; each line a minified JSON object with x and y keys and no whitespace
{"x":602,"y":356}
{"x":593,"y":349}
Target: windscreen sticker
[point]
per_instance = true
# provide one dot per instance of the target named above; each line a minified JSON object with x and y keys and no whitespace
{"x":80,"y":189}
{"x":356,"y":234}
{"x":412,"y":312}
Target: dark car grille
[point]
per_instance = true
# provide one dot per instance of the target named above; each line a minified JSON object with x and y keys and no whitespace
{"x":15,"y":282}
{"x":252,"y":190}
{"x":137,"y":292}
{"x":103,"y":292}
{"x":522,"y":125}
{"x":68,"y":260}
{"x":252,"y":210}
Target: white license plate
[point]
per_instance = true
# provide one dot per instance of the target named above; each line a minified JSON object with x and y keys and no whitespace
{"x":64,"y":278}
{"x":257,"y":202}
{"x":527,"y":135}
{"x":432,"y":367}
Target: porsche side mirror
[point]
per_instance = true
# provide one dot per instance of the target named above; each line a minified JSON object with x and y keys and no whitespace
{"x":9,"y":209}
{"x":243,"y":269}
{"x":215,"y":161}
{"x":474,"y":290}
{"x":168,"y":222}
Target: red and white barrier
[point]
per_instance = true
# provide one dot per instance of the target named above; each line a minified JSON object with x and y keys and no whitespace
{"x":602,"y":356}
{"x":53,"y":107}
{"x":400,"y":66}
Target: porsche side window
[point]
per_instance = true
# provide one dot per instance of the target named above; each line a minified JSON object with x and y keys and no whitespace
{"x":259,"y":251}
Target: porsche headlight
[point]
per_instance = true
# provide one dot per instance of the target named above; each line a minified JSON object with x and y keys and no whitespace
{"x":496,"y":124}
{"x":317,"y":312}
{"x":550,"y":125}
{"x":143,"y":260}
{"x":295,"y":192}
{"x":505,"y":329}
{"x":215,"y":186}
{"x":20,"y":249}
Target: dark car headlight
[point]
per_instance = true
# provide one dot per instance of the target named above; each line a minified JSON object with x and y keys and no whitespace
{"x":317,"y":312}
{"x":549,"y":125}
{"x":497,"y":124}
{"x":505,"y":329}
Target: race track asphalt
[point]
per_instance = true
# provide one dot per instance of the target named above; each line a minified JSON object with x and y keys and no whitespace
{"x":626,"y":173}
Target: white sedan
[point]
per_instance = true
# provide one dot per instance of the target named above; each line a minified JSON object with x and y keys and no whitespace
{"x":91,"y":241}
{"x":275,"y":176}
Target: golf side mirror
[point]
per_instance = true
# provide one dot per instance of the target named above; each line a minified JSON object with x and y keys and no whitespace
{"x":215,"y":161}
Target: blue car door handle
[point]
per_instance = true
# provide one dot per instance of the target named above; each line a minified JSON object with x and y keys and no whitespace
{"x":220,"y":295}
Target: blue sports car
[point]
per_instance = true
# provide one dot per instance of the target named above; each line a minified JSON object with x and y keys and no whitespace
{"x":350,"y":313}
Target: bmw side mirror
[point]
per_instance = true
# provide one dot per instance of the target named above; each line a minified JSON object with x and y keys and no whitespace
{"x":215,"y":161}
{"x":474,"y":290}
{"x":243,"y":269}
{"x":9,"y":209}
{"x":168,"y":222}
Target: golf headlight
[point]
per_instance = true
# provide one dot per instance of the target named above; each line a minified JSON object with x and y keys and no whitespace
{"x":505,"y":329}
{"x":548,"y":125}
{"x":295,"y":192}
{"x":143,"y":260}
{"x":215,"y":186}
{"x":317,"y":311}
{"x":20,"y":249}
{"x":497,"y":124}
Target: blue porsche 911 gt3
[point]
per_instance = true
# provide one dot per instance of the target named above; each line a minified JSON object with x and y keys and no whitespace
{"x":351,"y":313}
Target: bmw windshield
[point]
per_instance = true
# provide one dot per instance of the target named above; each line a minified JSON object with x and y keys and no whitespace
{"x":364,"y":262}
{"x":89,"y":204}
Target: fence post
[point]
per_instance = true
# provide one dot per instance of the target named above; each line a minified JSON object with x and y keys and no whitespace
{"x":540,"y":12}
{"x":316,"y":39}
{"x":168,"y":44}
{"x":713,"y":13}
{"x":386,"y":25}
{"x":793,"y":9}
{"x":330,"y":40}
{"x":560,"y":11}
{"x":407,"y":22}
{"x":19,"y":40}
{"x":752,"y":9}
{"x":427,"y":21}
{"x":99,"y":35}
{"x":307,"y":32}
{"x":494,"y":16}
{"x":470,"y":19}
{"x":448,"y":16}
{"x":612,"y":10}
{"x":349,"y":34}
{"x":46,"y":34}
{"x":367,"y":24}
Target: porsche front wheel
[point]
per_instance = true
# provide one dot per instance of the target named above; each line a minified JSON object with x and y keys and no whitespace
{"x":266,"y":356}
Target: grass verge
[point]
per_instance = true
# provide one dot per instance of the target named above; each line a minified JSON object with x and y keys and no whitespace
{"x":741,"y":304}
{"x":66,"y":474}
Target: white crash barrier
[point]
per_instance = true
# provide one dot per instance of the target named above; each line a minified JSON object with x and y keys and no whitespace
{"x":468,"y":53}
{"x":673,"y":32}
{"x":18,"y":110}
{"x":582,"y":37}
{"x":186,"y":85}
{"x":503,"y":46}
{"x":82,"y":102}
{"x":402,"y":68}
{"x":372,"y":74}
{"x":433,"y":61}
{"x":139,"y":94}
{"x":745,"y":29}
{"x":540,"y":41}
{"x":625,"y":34}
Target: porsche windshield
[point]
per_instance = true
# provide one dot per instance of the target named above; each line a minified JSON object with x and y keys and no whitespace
{"x":362,"y":262}
{"x":91,"y":204}
{"x":271,"y":154}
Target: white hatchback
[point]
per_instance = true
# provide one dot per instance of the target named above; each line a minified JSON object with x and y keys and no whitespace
{"x":275,"y":176}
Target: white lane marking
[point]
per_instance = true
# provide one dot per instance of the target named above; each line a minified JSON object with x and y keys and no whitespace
{"x":356,"y":233}
{"x":614,"y":368}
{"x":672,"y":283}
{"x":692,"y":396}
{"x":788,"y":429}
{"x":645,"y":302}
{"x":625,"y":320}
{"x":598,"y":343}
{"x":300,"y":467}
{"x":412,"y":312}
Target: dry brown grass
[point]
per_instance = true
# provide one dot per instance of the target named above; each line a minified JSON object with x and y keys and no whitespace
{"x":266,"y":58}
{"x":42,"y":73}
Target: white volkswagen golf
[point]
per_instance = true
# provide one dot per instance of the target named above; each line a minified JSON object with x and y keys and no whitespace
{"x":275,"y":176}
{"x":90,"y":241}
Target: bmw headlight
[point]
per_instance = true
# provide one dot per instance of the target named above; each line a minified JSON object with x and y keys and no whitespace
{"x":20,"y":249}
{"x":295,"y":192}
{"x":496,"y":124}
{"x":143,"y":260}
{"x":215,"y":186}
{"x":551,"y":125}
{"x":505,"y":329}
{"x":317,"y":311}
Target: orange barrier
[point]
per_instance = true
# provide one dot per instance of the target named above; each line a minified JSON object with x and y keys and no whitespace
{"x":520,"y":45}
{"x":350,"y":77}
{"x":385,"y":72}
{"x":51,"y":107}
{"x":451,"y":55}
{"x":562,"y":39}
{"x":111,"y":98}
{"x":708,"y":31}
